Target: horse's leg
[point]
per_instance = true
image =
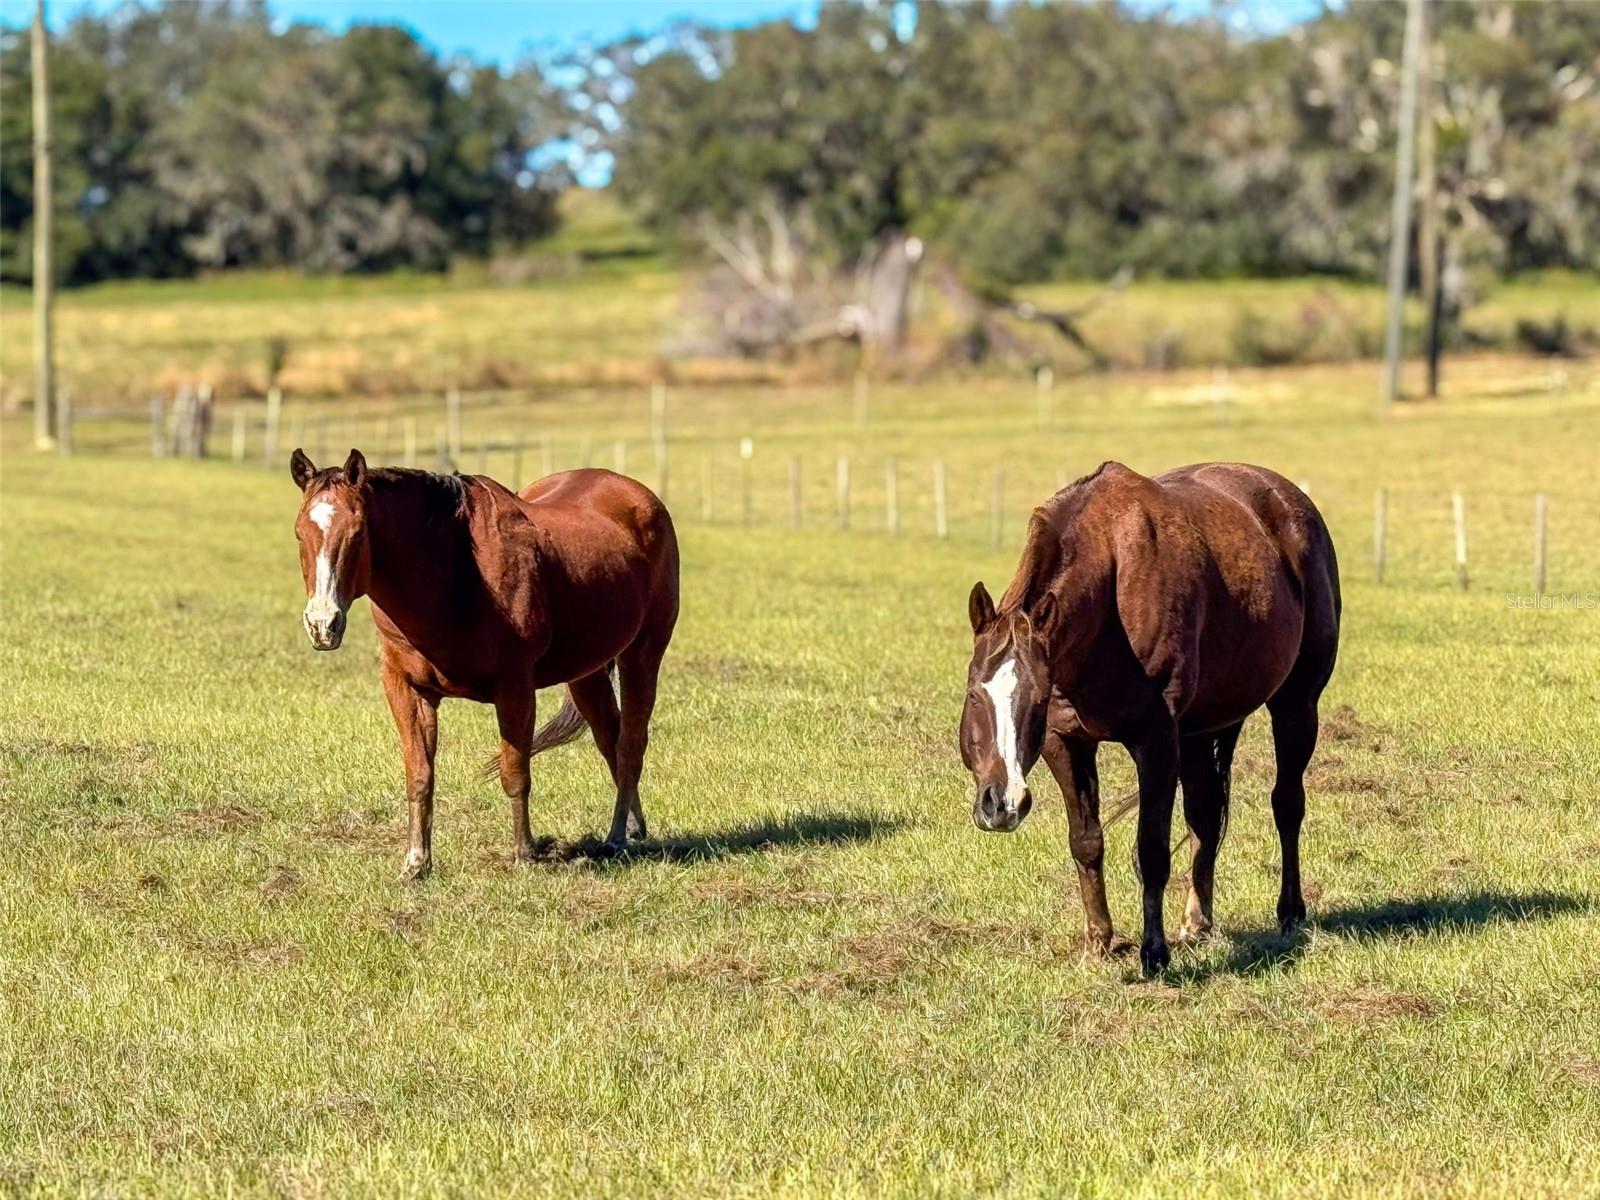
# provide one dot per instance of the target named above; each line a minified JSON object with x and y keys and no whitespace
{"x":638,"y":667}
{"x":1072,"y":762}
{"x":515,"y":711}
{"x":416,"y":716}
{"x":1294,"y":737}
{"x":1156,"y":757}
{"x":598,"y":704}
{"x":1205,"y":769}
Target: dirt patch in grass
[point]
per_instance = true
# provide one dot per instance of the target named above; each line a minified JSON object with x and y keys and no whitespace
{"x":360,"y":830}
{"x":281,"y":883}
{"x":1367,"y":1004}
{"x":1585,"y":1068}
{"x":744,"y":893}
{"x":407,"y":924}
{"x":727,"y":972}
{"x":219,"y":818}
{"x":250,"y":952}
{"x":1343,"y":724}
{"x":592,"y":902}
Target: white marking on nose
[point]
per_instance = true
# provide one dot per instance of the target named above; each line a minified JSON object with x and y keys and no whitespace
{"x":324,"y":604}
{"x":321,"y":515}
{"x":1001,"y":688}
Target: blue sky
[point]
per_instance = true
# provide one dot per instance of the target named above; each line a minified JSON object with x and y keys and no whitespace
{"x":503,"y":30}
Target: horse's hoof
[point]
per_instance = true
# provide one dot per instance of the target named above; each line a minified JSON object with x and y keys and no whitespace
{"x":1194,"y":934}
{"x":417,"y":866}
{"x":1291,"y":917}
{"x":1154,"y":957}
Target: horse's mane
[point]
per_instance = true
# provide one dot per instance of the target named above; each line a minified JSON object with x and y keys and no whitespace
{"x":442,"y":495}
{"x":1041,"y":549}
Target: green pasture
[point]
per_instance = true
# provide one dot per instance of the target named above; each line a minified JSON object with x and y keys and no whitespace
{"x":818,"y":978}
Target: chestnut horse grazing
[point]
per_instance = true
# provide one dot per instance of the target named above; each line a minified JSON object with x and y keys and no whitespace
{"x":1158,"y":613}
{"x":481,"y":594}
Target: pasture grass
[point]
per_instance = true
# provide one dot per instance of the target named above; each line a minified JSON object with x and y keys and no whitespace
{"x":817,"y":978}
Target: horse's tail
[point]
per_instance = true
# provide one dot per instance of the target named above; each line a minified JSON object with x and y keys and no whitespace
{"x":566,"y":726}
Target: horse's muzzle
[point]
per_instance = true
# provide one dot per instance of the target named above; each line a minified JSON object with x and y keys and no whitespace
{"x":992,"y":814}
{"x":324,"y":628}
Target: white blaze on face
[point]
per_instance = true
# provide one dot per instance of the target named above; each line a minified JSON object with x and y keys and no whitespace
{"x":324,"y":604}
{"x":1001,"y":688}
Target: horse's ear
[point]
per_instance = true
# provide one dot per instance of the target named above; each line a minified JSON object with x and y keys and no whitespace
{"x":355,"y":469}
{"x":980,"y":608}
{"x":301,"y":468}
{"x":1045,"y":615}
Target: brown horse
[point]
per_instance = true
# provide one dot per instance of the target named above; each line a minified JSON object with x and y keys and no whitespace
{"x":481,"y":594}
{"x":1158,"y":613}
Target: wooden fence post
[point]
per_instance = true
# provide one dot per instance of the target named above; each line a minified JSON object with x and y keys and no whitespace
{"x":842,"y":488}
{"x":891,"y":496}
{"x":1458,"y":511}
{"x":1380,"y":532}
{"x":441,"y":448}
{"x":1541,"y":509}
{"x":747,"y":453}
{"x":996,"y":503}
{"x":941,"y":512}
{"x":238,"y":433}
{"x":483,"y":454}
{"x":158,"y":425}
{"x":269,"y":439}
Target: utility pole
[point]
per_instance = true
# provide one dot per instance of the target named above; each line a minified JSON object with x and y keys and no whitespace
{"x":44,"y":389}
{"x":1400,"y":215}
{"x":1428,"y":201}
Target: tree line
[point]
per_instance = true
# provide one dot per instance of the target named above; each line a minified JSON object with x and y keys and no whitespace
{"x":1021,"y":141}
{"x":190,"y":136}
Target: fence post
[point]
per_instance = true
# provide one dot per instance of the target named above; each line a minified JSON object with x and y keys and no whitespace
{"x":1380,"y":531}
{"x":1458,"y":510}
{"x":661,"y":467}
{"x":441,"y":447}
{"x":483,"y":454}
{"x":202,"y":422}
{"x":1045,"y":381}
{"x":452,"y":420}
{"x":747,"y":453}
{"x":794,"y":491}
{"x":158,"y":425}
{"x":842,"y":487}
{"x":269,"y":439}
{"x":996,"y":501}
{"x":238,"y":433}
{"x":1541,"y":507}
{"x":941,"y":512}
{"x":891,"y":496}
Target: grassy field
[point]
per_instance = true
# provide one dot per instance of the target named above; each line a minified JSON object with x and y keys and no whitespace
{"x":819,"y":979}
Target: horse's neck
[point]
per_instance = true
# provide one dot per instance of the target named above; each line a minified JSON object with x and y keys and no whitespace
{"x":423,"y":570}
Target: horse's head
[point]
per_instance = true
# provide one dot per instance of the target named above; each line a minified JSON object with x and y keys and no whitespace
{"x":1003,"y":719}
{"x":335,"y":558}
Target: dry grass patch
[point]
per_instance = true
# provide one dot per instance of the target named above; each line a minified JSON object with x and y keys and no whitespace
{"x":1366,"y":1004}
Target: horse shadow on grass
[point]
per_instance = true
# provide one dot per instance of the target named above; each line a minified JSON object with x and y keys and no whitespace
{"x":802,"y":829}
{"x":1263,"y":951}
